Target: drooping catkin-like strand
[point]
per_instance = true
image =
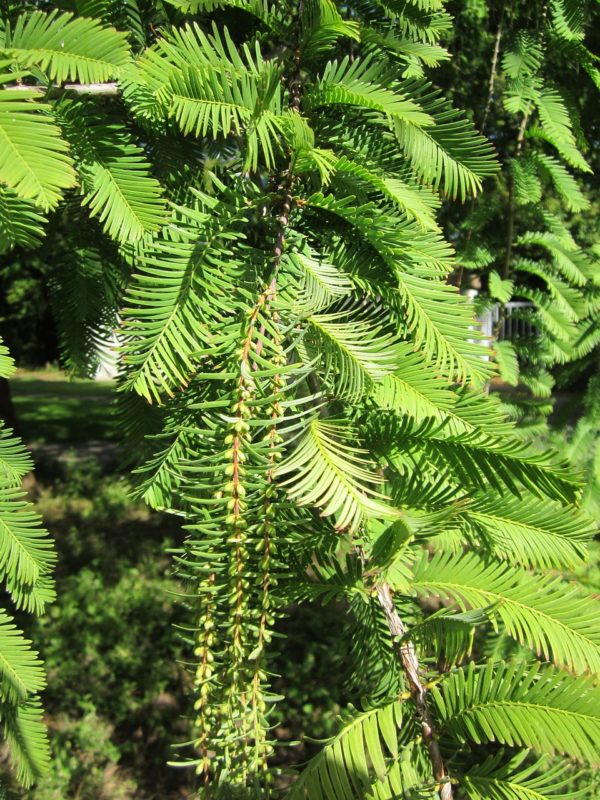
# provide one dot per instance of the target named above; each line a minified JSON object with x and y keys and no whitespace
{"x":204,"y":676}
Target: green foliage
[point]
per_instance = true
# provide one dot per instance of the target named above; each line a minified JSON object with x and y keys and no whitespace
{"x":539,"y":125}
{"x":544,"y":614}
{"x":520,"y":704}
{"x":450,"y":154}
{"x":26,"y":561}
{"x":34,"y":158}
{"x":368,"y":741}
{"x":167,"y":321}
{"x":20,"y":669}
{"x":115,"y":179}
{"x":502,"y":778}
{"x":27,"y":740}
{"x":66,"y":48}
{"x":266,"y":179}
{"x":20,"y":222}
{"x":532,"y":533}
{"x":112,"y":719}
{"x":329,"y":473}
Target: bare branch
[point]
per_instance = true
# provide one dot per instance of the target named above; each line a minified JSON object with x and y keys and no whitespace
{"x":493,"y":71}
{"x":98,"y":89}
{"x":410,"y":663}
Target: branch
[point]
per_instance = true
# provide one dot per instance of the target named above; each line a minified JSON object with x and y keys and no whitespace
{"x":493,"y":70}
{"x":410,"y":663}
{"x":98,"y":89}
{"x":453,"y":278}
{"x":511,"y":198}
{"x":288,"y":185}
{"x":519,"y":150}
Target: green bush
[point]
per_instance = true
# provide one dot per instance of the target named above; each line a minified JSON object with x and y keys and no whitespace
{"x":114,"y":698}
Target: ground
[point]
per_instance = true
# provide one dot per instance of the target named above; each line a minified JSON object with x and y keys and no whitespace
{"x":51,"y":408}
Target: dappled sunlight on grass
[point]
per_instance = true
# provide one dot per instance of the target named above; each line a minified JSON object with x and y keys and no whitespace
{"x":115,"y":696}
{"x":52,"y":408}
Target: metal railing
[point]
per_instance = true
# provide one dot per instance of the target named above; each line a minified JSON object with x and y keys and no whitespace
{"x":516,"y":322}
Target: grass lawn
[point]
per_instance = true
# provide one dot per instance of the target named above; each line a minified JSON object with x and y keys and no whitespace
{"x":50,"y":407}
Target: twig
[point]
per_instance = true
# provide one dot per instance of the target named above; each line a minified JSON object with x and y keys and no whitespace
{"x":454,"y":279}
{"x":98,"y":89}
{"x":288,"y":198}
{"x":493,"y":71}
{"x":518,"y":151}
{"x":410,"y":663}
{"x":511,"y":199}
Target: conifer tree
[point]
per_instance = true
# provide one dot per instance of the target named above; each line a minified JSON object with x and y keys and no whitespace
{"x":540,"y":79}
{"x":252,"y":191}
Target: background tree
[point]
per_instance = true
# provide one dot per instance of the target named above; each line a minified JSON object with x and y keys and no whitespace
{"x":263,"y":183}
{"x":534,"y":238}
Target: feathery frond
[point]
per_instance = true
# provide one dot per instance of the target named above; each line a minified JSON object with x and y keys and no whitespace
{"x":25,"y":734}
{"x":67,"y":48}
{"x":367,"y":740}
{"x":329,"y":472}
{"x":520,"y":704}
{"x":555,"y":620}
{"x":356,"y":348}
{"x":34,"y":159}
{"x":116,"y":181}
{"x":26,"y":552}
{"x":531,"y":532}
{"x":502,"y":777}
{"x":21,"y":671}
{"x":21,"y":224}
{"x":449,"y":154}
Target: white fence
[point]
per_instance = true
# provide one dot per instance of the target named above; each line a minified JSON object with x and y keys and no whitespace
{"x":514,"y":323}
{"x":107,"y":357}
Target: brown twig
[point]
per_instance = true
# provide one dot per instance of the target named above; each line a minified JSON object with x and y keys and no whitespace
{"x":518,"y":150}
{"x":493,"y":72}
{"x":454,"y":278}
{"x":511,"y":200}
{"x":410,"y":664}
{"x":288,"y":198}
{"x":111,"y":89}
